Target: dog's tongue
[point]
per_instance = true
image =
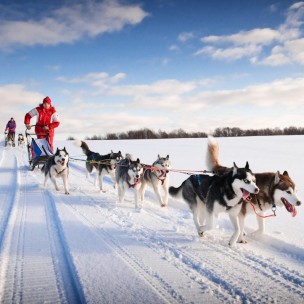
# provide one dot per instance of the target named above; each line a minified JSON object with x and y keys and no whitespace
{"x":245,"y":194}
{"x":290,"y":208}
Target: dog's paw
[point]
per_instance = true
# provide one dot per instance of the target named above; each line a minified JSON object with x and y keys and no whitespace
{"x":242,"y":241}
{"x":67,"y":192}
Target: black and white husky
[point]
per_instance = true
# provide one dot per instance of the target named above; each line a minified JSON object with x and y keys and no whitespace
{"x":57,"y":166}
{"x":207,"y":196}
{"x":157,"y":176}
{"x":104,"y":164}
{"x":128,"y":174}
{"x":275,"y":190}
{"x":21,"y":141}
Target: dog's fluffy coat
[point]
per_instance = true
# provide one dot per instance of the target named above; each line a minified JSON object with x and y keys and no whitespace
{"x":104,"y":164}
{"x":57,"y":166}
{"x":207,"y":196}
{"x":157,"y":176}
{"x":21,"y":140}
{"x":128,"y":174}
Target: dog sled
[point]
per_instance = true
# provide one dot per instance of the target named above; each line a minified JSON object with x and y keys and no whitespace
{"x":38,"y":149}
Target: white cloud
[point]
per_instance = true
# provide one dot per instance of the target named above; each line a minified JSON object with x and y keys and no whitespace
{"x":69,"y":24}
{"x":163,"y":104}
{"x":285,"y":43}
{"x":185,"y":36}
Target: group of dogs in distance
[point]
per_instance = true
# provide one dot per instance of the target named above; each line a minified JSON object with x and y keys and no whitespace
{"x":227,"y":189}
{"x":21,"y":141}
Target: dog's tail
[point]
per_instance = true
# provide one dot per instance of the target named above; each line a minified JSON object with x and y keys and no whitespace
{"x":175,"y":192}
{"x":83,"y":146}
{"x":212,"y":155}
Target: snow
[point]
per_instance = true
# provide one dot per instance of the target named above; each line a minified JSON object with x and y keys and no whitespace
{"x":87,"y":248}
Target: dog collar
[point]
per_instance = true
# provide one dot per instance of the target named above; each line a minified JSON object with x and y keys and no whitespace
{"x":59,"y":171}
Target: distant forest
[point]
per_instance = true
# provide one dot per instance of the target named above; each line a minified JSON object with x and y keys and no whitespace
{"x":219,"y":132}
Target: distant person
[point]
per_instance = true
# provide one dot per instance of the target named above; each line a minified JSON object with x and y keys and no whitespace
{"x":47,"y":120}
{"x":11,"y":129}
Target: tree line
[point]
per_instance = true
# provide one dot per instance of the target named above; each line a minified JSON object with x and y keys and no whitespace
{"x":218,"y":132}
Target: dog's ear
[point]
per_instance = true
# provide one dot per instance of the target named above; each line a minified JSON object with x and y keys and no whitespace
{"x":234,"y":171}
{"x":138,"y":161}
{"x":285,"y":173}
{"x":277,"y":178}
{"x":167,"y":156}
{"x":247,"y":165}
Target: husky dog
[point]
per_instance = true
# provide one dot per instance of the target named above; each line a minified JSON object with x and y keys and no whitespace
{"x":57,"y":166}
{"x":9,"y":140}
{"x":104,"y":164}
{"x":21,"y":141}
{"x":128,"y":174}
{"x":157,"y":176}
{"x":208,"y":195}
{"x":275,"y":190}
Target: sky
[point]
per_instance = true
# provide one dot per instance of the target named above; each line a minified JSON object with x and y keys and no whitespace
{"x":114,"y":66}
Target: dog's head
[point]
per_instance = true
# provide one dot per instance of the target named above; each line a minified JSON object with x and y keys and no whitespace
{"x":115,"y":158}
{"x":285,"y":193}
{"x":61,"y":157}
{"x":244,"y":180}
{"x":162,"y":163}
{"x":135,"y":170}
{"x":20,"y":136}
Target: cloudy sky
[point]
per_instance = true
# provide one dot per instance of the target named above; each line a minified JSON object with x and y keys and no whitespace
{"x":119,"y":65}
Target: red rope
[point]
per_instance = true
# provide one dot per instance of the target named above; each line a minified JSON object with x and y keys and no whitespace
{"x":262,"y":216}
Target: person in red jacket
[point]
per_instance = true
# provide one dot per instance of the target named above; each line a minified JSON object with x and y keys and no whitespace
{"x":47,"y":120}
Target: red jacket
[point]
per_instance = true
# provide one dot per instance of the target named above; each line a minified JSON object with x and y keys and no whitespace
{"x":45,"y":117}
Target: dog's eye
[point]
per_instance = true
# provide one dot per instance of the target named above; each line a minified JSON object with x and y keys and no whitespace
{"x":288,"y":191}
{"x":246,"y":181}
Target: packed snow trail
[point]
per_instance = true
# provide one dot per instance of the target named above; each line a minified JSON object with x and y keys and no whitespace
{"x":33,"y":266}
{"x":86,"y":248}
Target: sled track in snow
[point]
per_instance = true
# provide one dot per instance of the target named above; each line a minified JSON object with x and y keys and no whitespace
{"x":32,"y":256}
{"x":65,"y":266}
{"x":9,"y":197}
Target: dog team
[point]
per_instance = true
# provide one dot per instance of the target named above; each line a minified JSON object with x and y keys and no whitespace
{"x":234,"y":190}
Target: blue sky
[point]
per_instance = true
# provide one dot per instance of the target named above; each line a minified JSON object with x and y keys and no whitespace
{"x":113,"y":66}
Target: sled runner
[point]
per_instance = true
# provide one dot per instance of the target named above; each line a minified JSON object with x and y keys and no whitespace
{"x":38,"y":149}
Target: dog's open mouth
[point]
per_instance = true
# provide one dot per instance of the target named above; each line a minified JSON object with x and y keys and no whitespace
{"x":245,"y":194}
{"x":289,"y":207}
{"x":61,"y":162}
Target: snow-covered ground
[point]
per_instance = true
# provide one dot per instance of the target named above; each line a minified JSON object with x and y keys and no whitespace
{"x":87,"y":248}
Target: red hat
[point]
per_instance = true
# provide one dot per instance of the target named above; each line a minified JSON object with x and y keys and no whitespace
{"x":47,"y":99}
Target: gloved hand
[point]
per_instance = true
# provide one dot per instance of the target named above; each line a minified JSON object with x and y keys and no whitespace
{"x":28,"y":126}
{"x":45,"y":128}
